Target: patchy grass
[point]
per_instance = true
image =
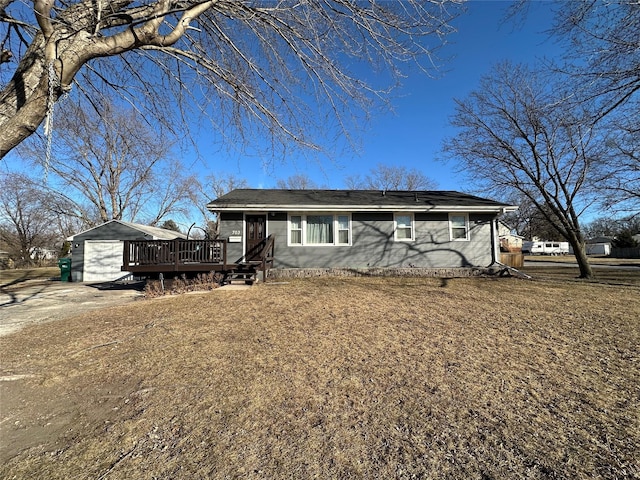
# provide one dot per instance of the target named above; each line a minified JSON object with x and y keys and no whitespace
{"x":594,"y":260}
{"x":333,"y":378}
{"x":16,"y":276}
{"x":603,"y":276}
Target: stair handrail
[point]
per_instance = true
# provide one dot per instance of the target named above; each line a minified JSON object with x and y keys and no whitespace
{"x":265,"y":257}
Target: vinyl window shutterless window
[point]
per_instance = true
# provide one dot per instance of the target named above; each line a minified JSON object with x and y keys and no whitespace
{"x":403,"y":224}
{"x":319,"y":229}
{"x":459,"y":226}
{"x":344,"y":230}
{"x":295,"y":230}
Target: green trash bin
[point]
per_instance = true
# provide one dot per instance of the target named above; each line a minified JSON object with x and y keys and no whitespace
{"x":65,"y":269}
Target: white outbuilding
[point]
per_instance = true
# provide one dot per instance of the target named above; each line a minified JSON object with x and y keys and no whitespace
{"x":97,"y":253}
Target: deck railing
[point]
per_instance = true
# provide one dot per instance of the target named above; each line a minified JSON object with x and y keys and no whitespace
{"x":174,"y":255}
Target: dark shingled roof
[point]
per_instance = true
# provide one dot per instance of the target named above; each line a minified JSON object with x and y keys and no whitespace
{"x":277,"y":199}
{"x":156,"y":233}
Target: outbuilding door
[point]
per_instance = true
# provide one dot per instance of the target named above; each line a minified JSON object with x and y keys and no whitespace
{"x":102,"y":260}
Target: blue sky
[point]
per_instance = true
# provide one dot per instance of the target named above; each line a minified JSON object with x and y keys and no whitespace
{"x":412,"y":135}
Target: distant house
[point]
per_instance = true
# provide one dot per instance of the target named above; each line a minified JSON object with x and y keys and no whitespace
{"x":510,"y":241}
{"x":5,"y":260}
{"x":39,"y":254}
{"x":598,"y":245}
{"x":97,"y":253}
{"x":362,"y":228}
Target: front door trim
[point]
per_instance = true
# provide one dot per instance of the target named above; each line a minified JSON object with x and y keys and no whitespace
{"x":254,"y":230}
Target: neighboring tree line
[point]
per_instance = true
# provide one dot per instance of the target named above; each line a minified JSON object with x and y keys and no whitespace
{"x":530,"y":223}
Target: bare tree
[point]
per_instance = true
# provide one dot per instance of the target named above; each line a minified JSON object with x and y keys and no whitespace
{"x":601,"y":63}
{"x":107,"y":163}
{"x":233,"y":60}
{"x":300,"y":181}
{"x":516,"y":135}
{"x":617,"y":174}
{"x":530,"y":222}
{"x":24,"y":223}
{"x":389,"y":177}
{"x":169,"y":193}
{"x":602,"y":45}
{"x":602,"y":52}
{"x":200,"y":194}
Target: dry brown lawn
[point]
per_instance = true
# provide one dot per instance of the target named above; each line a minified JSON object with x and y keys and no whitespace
{"x":333,"y":378}
{"x":13,"y":277}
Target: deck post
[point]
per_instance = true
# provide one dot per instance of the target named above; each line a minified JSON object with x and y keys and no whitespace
{"x":125,"y":256}
{"x":176,"y":255}
{"x":224,"y":255}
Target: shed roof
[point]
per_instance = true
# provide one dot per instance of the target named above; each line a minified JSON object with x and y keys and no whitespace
{"x":349,"y":200}
{"x":156,"y":233}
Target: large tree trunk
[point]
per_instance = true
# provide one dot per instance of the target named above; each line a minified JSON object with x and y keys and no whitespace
{"x":23,"y":101}
{"x":580,"y":252}
{"x":67,"y":44}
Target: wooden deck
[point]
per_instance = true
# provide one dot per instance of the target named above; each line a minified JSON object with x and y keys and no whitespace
{"x":195,"y":256}
{"x":155,"y":256}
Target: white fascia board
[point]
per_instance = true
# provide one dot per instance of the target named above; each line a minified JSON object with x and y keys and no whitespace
{"x":360,"y":208}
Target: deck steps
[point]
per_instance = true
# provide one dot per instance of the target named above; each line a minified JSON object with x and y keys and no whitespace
{"x":244,"y":273}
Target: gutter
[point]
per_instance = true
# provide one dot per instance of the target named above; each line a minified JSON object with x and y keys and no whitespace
{"x":359,"y":208}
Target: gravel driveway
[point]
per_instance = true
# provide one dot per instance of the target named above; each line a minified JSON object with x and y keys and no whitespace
{"x":44,"y":300}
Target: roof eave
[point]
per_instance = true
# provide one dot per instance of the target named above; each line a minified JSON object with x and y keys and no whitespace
{"x":361,"y":208}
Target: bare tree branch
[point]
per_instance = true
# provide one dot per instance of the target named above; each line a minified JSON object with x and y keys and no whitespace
{"x":111,"y":160}
{"x":245,"y":65}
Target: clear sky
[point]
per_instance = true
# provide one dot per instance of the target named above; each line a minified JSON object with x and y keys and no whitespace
{"x":412,"y":135}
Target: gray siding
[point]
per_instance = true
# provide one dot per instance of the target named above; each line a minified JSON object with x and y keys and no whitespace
{"x":373,"y":243}
{"x":231,"y":222}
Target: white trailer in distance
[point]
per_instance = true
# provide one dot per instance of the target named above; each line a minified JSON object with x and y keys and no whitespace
{"x":545,"y":248}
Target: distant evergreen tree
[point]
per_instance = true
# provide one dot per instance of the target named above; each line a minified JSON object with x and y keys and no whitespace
{"x":171,"y":225}
{"x":625,"y":239}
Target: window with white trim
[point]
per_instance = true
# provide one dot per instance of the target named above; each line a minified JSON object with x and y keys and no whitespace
{"x":344,"y":230}
{"x":295,"y":230}
{"x":403,"y":227}
{"x":320,"y":229}
{"x":459,"y":227}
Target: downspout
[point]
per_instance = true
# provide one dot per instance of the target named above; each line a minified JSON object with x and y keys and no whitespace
{"x":495,"y":249}
{"x":494,"y":240}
